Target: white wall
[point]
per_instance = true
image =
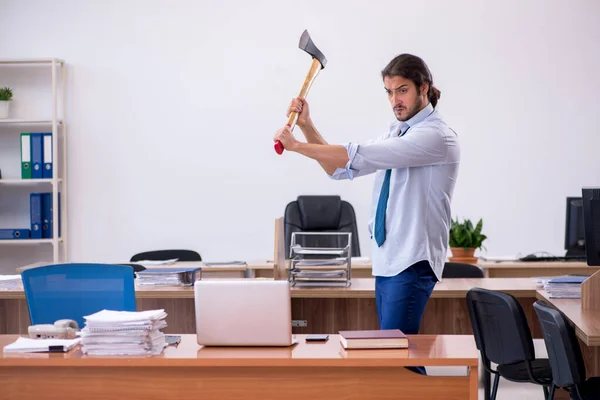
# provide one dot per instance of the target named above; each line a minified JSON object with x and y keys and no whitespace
{"x":172,"y":106}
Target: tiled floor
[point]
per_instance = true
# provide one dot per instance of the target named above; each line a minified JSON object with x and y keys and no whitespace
{"x":506,"y":390}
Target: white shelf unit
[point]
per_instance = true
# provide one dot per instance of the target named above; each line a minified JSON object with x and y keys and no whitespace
{"x":59,"y":154}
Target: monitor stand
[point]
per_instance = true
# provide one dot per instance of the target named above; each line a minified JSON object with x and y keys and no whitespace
{"x":576,"y":253}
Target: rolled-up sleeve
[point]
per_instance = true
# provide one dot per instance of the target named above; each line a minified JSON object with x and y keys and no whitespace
{"x":350,"y":172}
{"x":420,"y":146}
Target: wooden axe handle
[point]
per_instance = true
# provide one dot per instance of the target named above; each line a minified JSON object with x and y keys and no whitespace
{"x":315,"y":67}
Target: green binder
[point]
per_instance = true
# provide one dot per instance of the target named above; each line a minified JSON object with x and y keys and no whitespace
{"x":25,"y":155}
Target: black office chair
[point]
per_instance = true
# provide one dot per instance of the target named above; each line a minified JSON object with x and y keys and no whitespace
{"x":320,"y":214}
{"x":158,"y":255}
{"x":503,"y":337}
{"x":460,"y":270}
{"x":564,"y":353}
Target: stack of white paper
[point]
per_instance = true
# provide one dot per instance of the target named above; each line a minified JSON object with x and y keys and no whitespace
{"x":11,"y":282}
{"x":124,"y":333}
{"x":565,"y":287}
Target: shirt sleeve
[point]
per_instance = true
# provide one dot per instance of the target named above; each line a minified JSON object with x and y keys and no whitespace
{"x":349,"y":172}
{"x":420,"y":146}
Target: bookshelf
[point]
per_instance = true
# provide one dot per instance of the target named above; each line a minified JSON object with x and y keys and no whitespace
{"x":24,"y":75}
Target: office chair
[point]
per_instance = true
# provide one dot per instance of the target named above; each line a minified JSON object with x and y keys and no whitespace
{"x":159,"y":255}
{"x":564,"y":353}
{"x":503,"y":337}
{"x":72,"y":291}
{"x":320,"y":214}
{"x":460,"y":270}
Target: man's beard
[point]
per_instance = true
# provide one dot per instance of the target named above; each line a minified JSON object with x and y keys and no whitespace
{"x":413,"y":110}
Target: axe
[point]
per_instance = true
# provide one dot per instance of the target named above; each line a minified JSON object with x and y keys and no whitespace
{"x":318,"y":63}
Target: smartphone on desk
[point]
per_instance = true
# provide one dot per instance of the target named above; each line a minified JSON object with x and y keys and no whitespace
{"x":317,"y":338}
{"x":172,"y":339}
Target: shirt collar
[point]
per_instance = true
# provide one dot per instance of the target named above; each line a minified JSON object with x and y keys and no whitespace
{"x":418,"y":117}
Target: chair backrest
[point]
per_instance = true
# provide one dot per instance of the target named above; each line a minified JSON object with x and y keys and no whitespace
{"x":320,"y":214}
{"x":564,"y":353}
{"x":499,"y":326}
{"x":460,"y":270}
{"x":159,"y":255}
{"x":72,"y":291}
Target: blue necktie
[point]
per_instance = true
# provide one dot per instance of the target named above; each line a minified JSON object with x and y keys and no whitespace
{"x":381,"y":207}
{"x":383,"y":199}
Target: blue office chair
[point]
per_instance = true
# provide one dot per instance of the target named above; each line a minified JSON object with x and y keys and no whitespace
{"x":72,"y":291}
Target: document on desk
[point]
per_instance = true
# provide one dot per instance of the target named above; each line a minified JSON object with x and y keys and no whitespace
{"x":226,"y":264}
{"x":11,"y":282}
{"x":110,"y":332}
{"x":321,"y":263}
{"x":27,"y":345}
{"x":153,"y":263}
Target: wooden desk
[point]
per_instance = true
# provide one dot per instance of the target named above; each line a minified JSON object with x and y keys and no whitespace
{"x":587,"y":328}
{"x":322,"y":310}
{"x":304,"y":371}
{"x":534,"y":269}
{"x":208,"y":271}
{"x":363,"y":269}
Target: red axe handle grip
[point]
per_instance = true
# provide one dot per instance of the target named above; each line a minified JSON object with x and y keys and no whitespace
{"x":315,"y":67}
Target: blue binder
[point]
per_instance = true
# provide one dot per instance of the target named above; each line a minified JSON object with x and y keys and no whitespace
{"x":47,"y":220}
{"x":14,"y":234}
{"x":47,"y":172}
{"x":37,"y":156}
{"x":35,"y":203}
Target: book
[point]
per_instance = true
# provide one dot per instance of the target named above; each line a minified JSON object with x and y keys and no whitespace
{"x":374,"y":339}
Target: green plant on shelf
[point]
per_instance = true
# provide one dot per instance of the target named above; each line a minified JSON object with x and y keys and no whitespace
{"x":6,"y":94}
{"x":465,"y":235}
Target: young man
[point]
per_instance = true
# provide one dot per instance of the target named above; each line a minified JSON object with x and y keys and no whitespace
{"x":416,"y":165}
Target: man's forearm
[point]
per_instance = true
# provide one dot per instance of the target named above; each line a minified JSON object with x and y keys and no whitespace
{"x":329,"y":156}
{"x":312,"y":135}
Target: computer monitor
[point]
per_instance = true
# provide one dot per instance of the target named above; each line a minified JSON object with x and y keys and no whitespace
{"x":574,"y":228}
{"x":591,"y":217}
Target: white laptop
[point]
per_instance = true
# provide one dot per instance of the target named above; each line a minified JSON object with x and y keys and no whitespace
{"x":243,"y":312}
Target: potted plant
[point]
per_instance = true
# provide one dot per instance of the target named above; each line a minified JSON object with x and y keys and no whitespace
{"x":465,"y":239}
{"x":5,"y":98}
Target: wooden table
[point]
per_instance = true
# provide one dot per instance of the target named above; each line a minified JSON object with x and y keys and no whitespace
{"x":208,"y":271}
{"x":320,"y":310}
{"x":512,"y":269}
{"x":189,"y":371}
{"x":532,"y":269}
{"x":587,"y":328}
{"x":362,"y":268}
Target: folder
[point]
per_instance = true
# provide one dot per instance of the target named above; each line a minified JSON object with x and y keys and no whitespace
{"x":47,"y":173}
{"x":14,"y":234}
{"x":35,"y":203}
{"x":37,"y":155}
{"x":47,"y":218}
{"x":25,"y":156}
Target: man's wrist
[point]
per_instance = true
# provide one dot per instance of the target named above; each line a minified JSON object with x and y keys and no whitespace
{"x":306,"y":126}
{"x":295,"y":146}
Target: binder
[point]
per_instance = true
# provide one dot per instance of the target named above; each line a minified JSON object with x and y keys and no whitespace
{"x":47,"y":220}
{"x":25,"y":156}
{"x":37,"y":155}
{"x":35,"y":203}
{"x":47,"y":172}
{"x":14,"y":234}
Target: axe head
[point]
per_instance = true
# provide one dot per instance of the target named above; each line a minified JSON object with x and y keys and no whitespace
{"x":308,"y":46}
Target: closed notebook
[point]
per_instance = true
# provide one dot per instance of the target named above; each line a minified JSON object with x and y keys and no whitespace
{"x":374,"y":339}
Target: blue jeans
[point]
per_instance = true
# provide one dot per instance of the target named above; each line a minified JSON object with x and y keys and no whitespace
{"x":401,"y":299}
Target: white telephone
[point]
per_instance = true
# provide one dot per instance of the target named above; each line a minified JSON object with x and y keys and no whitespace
{"x":62,"y":329}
